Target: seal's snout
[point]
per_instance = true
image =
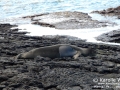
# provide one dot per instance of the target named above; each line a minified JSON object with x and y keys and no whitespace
{"x":92,"y":51}
{"x":89,"y":51}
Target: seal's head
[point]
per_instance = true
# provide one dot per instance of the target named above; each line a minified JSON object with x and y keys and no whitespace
{"x":85,"y":51}
{"x":88,"y":52}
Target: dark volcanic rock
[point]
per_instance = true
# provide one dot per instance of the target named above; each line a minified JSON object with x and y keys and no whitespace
{"x":110,"y":11}
{"x":53,"y":74}
{"x":113,"y":36}
{"x":3,"y":78}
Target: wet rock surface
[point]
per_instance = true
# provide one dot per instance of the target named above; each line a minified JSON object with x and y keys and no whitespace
{"x":66,"y":20}
{"x":113,"y":36}
{"x":54,"y":74}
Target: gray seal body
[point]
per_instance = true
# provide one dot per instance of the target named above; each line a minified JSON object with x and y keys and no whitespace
{"x":55,"y":51}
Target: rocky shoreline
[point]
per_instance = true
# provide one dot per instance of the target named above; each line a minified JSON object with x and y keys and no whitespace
{"x":112,"y":36}
{"x":85,"y":73}
{"x":53,"y":74}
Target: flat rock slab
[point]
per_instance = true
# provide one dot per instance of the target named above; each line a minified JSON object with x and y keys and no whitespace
{"x":66,"y":20}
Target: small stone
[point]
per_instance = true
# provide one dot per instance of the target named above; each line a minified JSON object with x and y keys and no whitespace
{"x":3,"y":78}
{"x":75,"y":88}
{"x":98,"y":63}
{"x":16,"y":85}
{"x":104,"y":70}
{"x":118,"y":65}
{"x":109,"y":64}
{"x":2,"y":86}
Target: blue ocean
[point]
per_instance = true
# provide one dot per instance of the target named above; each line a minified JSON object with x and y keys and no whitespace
{"x":18,"y":8}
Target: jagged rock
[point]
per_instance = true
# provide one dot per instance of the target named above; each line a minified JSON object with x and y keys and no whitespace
{"x":109,"y":64}
{"x":3,"y":78}
{"x":113,"y":36}
{"x":110,"y":11}
{"x":2,"y":86}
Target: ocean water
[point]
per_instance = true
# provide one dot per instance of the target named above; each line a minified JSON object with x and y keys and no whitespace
{"x":13,"y":9}
{"x":86,"y":34}
{"x":18,"y":8}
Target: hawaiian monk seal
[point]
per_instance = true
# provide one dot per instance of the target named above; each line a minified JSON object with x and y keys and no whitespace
{"x":55,"y":51}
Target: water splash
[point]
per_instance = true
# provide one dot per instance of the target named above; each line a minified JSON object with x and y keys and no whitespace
{"x":86,"y":34}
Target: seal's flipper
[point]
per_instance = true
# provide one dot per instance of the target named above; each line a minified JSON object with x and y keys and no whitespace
{"x":67,"y":51}
{"x":76,"y":55}
{"x":18,"y":56}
